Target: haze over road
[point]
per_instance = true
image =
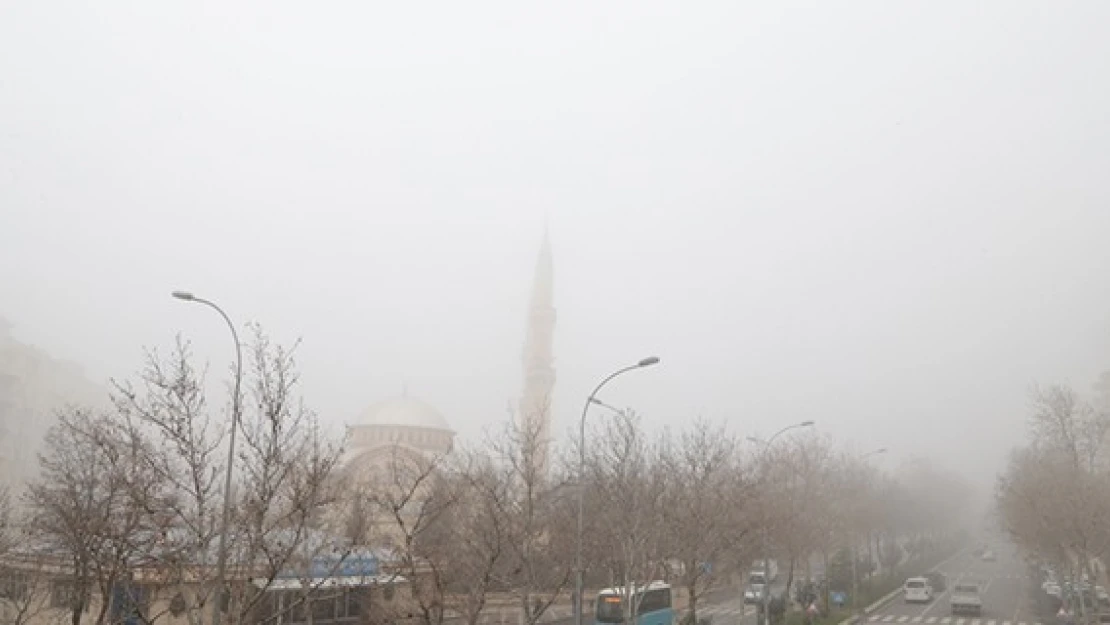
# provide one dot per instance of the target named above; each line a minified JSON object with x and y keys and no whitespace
{"x":1003,"y":585}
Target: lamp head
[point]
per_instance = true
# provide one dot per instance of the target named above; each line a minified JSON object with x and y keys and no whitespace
{"x":184,"y":295}
{"x":649,"y":361}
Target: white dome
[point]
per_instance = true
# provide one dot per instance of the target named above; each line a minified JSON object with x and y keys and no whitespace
{"x":404,"y":412}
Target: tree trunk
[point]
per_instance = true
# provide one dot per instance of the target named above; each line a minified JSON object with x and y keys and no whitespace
{"x":789,"y":582}
{"x":828,"y":581}
{"x":692,"y":605}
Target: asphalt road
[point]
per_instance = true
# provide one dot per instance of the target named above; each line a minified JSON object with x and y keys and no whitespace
{"x":724,"y":607}
{"x":1004,"y":589}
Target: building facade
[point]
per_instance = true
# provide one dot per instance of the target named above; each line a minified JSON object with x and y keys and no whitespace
{"x":33,"y":388}
{"x":386,"y":449}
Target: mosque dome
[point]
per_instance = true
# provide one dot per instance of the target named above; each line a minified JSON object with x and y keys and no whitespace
{"x":403,"y":412}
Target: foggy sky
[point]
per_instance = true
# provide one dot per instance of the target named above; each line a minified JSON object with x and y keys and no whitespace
{"x":889,"y":218}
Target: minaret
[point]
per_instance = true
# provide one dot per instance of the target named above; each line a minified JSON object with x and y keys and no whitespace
{"x":539,"y":370}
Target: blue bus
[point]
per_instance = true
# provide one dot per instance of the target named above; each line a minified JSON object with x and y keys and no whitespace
{"x":652,"y":604}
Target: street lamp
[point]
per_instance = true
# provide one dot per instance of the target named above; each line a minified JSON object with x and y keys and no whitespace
{"x":766,"y":561}
{"x":221,"y":553}
{"x":855,"y":567}
{"x":590,"y":399}
{"x":608,"y":407}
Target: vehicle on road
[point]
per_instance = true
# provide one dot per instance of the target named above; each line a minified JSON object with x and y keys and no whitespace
{"x":772,"y":566}
{"x":988,"y":556}
{"x":917,"y":590}
{"x":753,"y":593}
{"x":937,"y":581}
{"x":652,"y":605}
{"x":757,"y":582}
{"x":966,"y":600}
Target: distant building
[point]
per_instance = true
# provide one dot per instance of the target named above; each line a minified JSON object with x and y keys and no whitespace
{"x":538,"y":357}
{"x":408,"y":431}
{"x":387,"y":445}
{"x":33,"y":388}
{"x":402,"y":424}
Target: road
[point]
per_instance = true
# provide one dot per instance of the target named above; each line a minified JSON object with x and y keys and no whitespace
{"x":1006,"y":599}
{"x":1004,"y":587}
{"x":725,"y":607}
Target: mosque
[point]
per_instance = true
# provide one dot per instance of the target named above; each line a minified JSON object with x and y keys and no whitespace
{"x":400,"y":425}
{"x":407,"y":425}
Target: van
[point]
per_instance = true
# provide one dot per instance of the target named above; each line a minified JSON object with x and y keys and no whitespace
{"x":917,"y":590}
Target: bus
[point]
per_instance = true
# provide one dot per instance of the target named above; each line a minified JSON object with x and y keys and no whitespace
{"x":652,"y":603}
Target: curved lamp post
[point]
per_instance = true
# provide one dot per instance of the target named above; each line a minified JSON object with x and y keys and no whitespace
{"x":766,"y":599}
{"x":590,"y":399}
{"x":225,"y":521}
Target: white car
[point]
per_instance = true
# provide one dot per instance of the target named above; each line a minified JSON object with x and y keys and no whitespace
{"x":917,"y":590}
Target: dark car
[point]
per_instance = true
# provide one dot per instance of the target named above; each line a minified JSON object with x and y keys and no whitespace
{"x":937,"y":581}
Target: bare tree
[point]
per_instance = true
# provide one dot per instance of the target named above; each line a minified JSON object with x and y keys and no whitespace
{"x":28,"y":589}
{"x":284,"y":475}
{"x":25,"y":589}
{"x":412,"y":499}
{"x":626,"y":486}
{"x":793,"y":508}
{"x":705,"y":497}
{"x":1062,"y":421}
{"x":473,"y":546}
{"x":169,"y":407}
{"x":1056,"y":492}
{"x":89,"y":507}
{"x":535,"y":508}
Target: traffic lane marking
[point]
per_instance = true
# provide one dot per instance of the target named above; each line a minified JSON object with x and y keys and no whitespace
{"x":946,"y":620}
{"x":937,"y":599}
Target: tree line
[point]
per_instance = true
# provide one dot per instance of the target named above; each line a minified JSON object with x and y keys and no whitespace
{"x":1054,"y":497}
{"x":131,"y":498}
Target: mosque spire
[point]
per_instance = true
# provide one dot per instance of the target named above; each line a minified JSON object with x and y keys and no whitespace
{"x":538,"y":357}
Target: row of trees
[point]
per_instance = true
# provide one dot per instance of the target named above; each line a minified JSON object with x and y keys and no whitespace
{"x":1054,"y":498}
{"x":132,"y":497}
